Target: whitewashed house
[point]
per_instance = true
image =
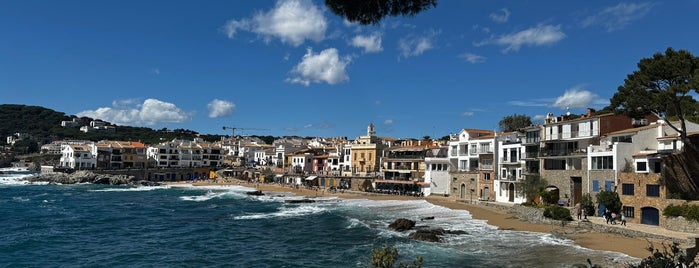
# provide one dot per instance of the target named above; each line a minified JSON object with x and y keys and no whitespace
{"x":510,"y":168}
{"x":437,"y":172}
{"x":78,"y":156}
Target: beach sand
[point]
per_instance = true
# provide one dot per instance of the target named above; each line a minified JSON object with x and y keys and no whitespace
{"x":635,"y":247}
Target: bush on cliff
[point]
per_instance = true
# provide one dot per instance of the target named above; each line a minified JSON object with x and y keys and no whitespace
{"x":558,"y":213}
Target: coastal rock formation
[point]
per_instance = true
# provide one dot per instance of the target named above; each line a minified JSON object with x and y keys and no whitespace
{"x":402,"y":225}
{"x":88,"y":177}
{"x":294,"y":201}
{"x":255,"y":193}
{"x":433,"y":235}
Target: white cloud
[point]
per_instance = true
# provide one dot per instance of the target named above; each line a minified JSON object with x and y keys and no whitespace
{"x":415,"y":46}
{"x":220,"y":108}
{"x":292,"y":21}
{"x":534,"y":36}
{"x":575,"y":97}
{"x":472,"y":58}
{"x":325,"y":66}
{"x":388,"y":122}
{"x":501,"y":16}
{"x":538,"y":119}
{"x":530,"y":103}
{"x":150,"y":112}
{"x":467,"y":114}
{"x":370,"y":43}
{"x":617,"y":17}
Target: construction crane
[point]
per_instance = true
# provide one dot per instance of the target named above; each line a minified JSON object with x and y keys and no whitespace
{"x":240,"y":128}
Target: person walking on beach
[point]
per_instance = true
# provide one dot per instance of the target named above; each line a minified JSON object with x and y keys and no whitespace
{"x":579,"y":213}
{"x":623,"y":220}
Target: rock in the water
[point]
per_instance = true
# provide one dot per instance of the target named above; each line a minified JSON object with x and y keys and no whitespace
{"x":257,"y":193}
{"x":293,"y":201}
{"x":429,"y":235}
{"x":427,"y":218}
{"x":402,"y":225}
{"x":433,"y":235}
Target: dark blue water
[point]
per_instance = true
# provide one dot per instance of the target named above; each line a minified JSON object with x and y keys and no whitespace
{"x":103,"y":226}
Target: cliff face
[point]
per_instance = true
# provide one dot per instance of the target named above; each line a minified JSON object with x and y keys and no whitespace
{"x":681,"y":174}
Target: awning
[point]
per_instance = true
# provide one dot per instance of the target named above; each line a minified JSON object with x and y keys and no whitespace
{"x":310,"y":178}
{"x":278,"y":176}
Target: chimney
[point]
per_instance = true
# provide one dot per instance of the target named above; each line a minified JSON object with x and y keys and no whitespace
{"x":590,"y":112}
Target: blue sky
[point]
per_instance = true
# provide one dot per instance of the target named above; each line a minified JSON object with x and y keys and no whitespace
{"x":294,"y":68}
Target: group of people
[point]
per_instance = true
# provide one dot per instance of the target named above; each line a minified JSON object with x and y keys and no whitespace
{"x":609,"y":217}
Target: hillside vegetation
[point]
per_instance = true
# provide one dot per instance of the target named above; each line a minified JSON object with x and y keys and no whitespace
{"x":44,"y":125}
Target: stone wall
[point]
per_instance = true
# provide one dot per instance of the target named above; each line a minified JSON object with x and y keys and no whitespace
{"x":681,"y":224}
{"x":639,"y":199}
{"x":469,"y":181}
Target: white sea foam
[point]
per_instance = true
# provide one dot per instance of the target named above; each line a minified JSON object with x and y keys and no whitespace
{"x":133,"y":189}
{"x":20,"y":199}
{"x":285,"y":212}
{"x":16,"y":179}
{"x":211,"y":195}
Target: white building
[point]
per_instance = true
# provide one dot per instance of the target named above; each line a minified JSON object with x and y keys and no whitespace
{"x":437,"y":172}
{"x":510,"y":167}
{"x":78,"y":157}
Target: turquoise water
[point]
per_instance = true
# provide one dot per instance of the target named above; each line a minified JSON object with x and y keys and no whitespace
{"x":185,"y":226}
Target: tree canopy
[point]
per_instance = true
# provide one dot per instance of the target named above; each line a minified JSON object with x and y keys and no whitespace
{"x":514,"y":122}
{"x":368,"y":12}
{"x":661,"y":86}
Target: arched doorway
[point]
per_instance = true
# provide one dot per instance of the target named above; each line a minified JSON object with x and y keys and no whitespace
{"x":554,"y":193}
{"x":486,"y":193}
{"x":511,"y":192}
{"x":650,"y":216}
{"x":463,"y":191}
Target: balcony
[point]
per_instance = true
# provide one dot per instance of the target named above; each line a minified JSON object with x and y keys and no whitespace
{"x":564,"y":152}
{"x":486,"y":167}
{"x":530,"y":155}
{"x":509,"y":161}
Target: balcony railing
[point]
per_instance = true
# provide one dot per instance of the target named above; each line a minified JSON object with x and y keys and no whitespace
{"x":563,"y":152}
{"x":509,"y":160}
{"x":486,"y":167}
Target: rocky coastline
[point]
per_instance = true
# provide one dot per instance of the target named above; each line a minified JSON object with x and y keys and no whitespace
{"x":88,"y":177}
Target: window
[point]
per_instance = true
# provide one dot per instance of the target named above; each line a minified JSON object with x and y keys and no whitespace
{"x":554,"y":164}
{"x":641,"y":166}
{"x":504,"y":173}
{"x":627,"y":189}
{"x":369,"y":156}
{"x":486,"y":176}
{"x":628,"y":211}
{"x":595,"y":186}
{"x":602,"y":162}
{"x":653,"y":190}
{"x":608,"y":185}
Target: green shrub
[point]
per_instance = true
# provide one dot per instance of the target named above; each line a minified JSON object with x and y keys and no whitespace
{"x":587,"y":205}
{"x":558,"y":213}
{"x":689,"y":212}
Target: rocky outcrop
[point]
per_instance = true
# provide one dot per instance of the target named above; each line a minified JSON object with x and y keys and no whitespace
{"x":402,"y":225}
{"x":255,"y":193}
{"x":294,"y":201}
{"x":433,"y":235}
{"x":88,"y":177}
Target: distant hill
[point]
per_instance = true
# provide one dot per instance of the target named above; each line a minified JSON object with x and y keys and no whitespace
{"x":44,"y":125}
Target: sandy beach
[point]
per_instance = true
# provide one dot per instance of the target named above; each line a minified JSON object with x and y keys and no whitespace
{"x":635,"y":247}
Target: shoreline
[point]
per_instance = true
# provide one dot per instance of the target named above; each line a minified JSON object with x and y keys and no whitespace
{"x":634,"y":247}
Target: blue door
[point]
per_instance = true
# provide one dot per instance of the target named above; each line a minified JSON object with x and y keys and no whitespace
{"x":650,"y":216}
{"x":600,"y":211}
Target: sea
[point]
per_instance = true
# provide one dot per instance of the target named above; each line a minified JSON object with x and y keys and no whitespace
{"x":85,"y":225}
